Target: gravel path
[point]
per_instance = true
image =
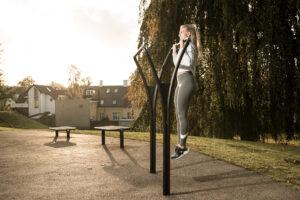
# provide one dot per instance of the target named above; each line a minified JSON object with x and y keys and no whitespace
{"x":31,"y":167}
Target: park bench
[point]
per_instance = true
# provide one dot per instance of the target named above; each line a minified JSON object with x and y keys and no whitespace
{"x":62,"y":128}
{"x":121,"y":129}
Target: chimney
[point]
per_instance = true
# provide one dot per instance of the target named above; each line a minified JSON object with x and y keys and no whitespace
{"x":125,"y":83}
{"x":101,"y":83}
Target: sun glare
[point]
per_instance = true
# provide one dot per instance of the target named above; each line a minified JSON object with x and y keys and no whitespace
{"x":42,"y":38}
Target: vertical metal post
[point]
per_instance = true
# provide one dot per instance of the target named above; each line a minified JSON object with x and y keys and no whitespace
{"x":158,"y":88}
{"x":103,"y":136}
{"x":166,"y":136}
{"x":152,"y":115}
{"x":122,"y":138}
{"x":165,"y":112}
{"x":166,"y":132}
{"x":56,"y":135}
{"x":68,"y":135}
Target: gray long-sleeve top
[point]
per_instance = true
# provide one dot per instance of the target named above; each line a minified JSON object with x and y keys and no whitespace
{"x":188,"y":61}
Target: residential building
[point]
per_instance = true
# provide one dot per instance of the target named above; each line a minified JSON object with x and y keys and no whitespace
{"x":41,"y":99}
{"x":109,"y":102}
{"x":99,"y":103}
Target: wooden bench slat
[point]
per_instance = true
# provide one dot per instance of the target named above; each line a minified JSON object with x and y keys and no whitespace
{"x":62,"y":128}
{"x":112,"y":128}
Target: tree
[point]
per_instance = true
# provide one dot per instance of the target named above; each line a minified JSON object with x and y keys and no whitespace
{"x":26,"y":82}
{"x":250,"y":55}
{"x":1,"y":72}
{"x":4,"y":90}
{"x":75,"y":82}
{"x":57,"y":86}
{"x":86,"y":81}
{"x":2,"y":80}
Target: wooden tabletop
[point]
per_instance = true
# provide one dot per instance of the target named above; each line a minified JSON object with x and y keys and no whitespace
{"x":112,"y":128}
{"x":62,"y":128}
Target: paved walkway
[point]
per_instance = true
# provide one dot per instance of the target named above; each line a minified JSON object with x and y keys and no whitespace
{"x":33,"y":168}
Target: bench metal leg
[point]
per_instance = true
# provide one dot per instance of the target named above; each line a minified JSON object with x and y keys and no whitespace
{"x":121,"y":138}
{"x":103,"y":136}
{"x":56,"y":136}
{"x":68,"y":135}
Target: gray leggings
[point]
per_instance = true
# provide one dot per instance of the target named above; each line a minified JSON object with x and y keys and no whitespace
{"x":183,"y":93}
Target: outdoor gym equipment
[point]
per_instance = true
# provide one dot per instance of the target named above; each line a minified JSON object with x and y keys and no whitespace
{"x":166,"y":106}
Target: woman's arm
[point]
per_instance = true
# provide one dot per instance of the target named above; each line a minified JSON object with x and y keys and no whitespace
{"x":174,"y":54}
{"x":188,"y":58}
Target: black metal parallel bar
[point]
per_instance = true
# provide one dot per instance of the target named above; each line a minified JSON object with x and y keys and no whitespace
{"x":154,"y":101}
{"x":165,"y":112}
{"x":166,"y":136}
{"x":166,"y":171}
{"x":160,"y":76}
{"x":152,"y":116}
{"x":158,"y":86}
{"x":138,"y":51}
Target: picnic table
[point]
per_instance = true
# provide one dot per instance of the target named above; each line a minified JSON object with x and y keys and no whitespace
{"x":120,"y":129}
{"x":62,"y":128}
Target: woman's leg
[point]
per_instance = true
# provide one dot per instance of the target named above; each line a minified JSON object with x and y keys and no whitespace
{"x":184,"y":93}
{"x":176,"y":112}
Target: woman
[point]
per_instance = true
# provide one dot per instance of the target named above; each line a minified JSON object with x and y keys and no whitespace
{"x":185,"y":85}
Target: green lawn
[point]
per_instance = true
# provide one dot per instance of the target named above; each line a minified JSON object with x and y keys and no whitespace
{"x":268,"y":159}
{"x":16,"y":120}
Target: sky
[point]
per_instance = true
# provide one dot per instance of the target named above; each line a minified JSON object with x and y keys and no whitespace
{"x":42,"y":38}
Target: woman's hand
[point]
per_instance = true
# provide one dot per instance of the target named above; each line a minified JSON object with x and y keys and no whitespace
{"x":181,"y":43}
{"x":174,"y":48}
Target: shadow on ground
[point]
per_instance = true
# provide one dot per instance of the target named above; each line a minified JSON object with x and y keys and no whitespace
{"x":225,"y":175}
{"x":131,"y":172}
{"x":223,"y":187}
{"x":60,"y":144}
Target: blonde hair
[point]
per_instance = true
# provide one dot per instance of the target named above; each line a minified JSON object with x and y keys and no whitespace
{"x":191,"y":28}
{"x":195,"y":35}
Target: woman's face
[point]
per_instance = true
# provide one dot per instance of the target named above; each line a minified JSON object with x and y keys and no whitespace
{"x":183,"y":33}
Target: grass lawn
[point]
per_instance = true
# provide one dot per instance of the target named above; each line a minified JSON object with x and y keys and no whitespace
{"x":280,"y":161}
{"x":16,"y":120}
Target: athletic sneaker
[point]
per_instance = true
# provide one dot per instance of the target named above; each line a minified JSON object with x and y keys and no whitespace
{"x":179,"y":152}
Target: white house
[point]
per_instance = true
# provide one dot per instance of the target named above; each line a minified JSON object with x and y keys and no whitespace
{"x":41,"y":99}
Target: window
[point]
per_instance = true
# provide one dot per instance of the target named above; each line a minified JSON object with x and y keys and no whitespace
{"x":116,"y":116}
{"x":90,"y":92}
{"x":107,"y":90}
{"x":36,"y":98}
{"x":101,"y":101}
{"x":130,"y":115}
{"x":114,"y":102}
{"x":102,"y":115}
{"x":116,"y":90}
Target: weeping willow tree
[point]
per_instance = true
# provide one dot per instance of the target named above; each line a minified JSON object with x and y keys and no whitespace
{"x":248,"y":72}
